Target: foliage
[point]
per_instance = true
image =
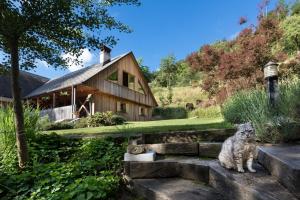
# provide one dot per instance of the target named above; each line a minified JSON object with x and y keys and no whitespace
{"x":291,"y":35}
{"x":209,"y":112}
{"x":170,"y":112}
{"x":181,"y":95}
{"x":233,"y":65}
{"x":7,"y":133}
{"x":67,"y":169}
{"x":46,"y":29}
{"x":146,"y":71}
{"x":81,"y":123}
{"x":166,"y":74}
{"x":271,"y":124}
{"x":105,"y":119}
{"x":57,"y":126}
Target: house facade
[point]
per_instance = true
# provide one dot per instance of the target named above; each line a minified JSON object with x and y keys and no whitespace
{"x":116,"y":84}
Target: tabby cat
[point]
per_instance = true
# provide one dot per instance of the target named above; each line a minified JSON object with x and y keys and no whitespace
{"x":239,"y":149}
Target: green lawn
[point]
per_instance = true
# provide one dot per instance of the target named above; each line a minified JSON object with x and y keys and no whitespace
{"x":148,"y":127}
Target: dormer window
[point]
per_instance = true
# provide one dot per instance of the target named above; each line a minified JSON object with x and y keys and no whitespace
{"x":113,"y":77}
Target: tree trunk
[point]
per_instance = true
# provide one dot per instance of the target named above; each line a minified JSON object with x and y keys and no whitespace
{"x":22,"y":149}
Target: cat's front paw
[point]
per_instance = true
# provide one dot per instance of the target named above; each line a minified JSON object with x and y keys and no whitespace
{"x":241,"y":170}
{"x":252,"y":170}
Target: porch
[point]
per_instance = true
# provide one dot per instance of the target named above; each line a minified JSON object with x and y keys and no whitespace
{"x":69,"y":103}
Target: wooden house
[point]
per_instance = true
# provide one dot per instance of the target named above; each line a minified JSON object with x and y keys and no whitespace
{"x":116,"y":84}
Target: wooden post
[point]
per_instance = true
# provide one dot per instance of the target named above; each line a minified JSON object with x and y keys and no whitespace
{"x":53,"y":100}
{"x":73,"y":101}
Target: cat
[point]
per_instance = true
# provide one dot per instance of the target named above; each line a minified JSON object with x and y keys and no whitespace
{"x":239,"y":149}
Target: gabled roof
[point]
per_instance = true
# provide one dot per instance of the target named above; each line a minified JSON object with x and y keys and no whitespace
{"x":73,"y":78}
{"x":28,"y":83}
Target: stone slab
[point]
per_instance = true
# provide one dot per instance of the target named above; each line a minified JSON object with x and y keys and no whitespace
{"x":283,"y":162}
{"x":158,"y":169}
{"x":210,"y":149}
{"x":175,"y":189}
{"x":174,"y":148}
{"x":149,"y":156}
{"x":214,"y":135}
{"x":247,"y":186}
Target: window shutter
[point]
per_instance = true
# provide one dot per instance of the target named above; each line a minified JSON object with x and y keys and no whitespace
{"x":127,"y":108}
{"x":140,"y":110}
{"x":146,"y":111}
{"x":118,"y":106}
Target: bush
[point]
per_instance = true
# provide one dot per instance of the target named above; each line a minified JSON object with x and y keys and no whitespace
{"x":170,"y":112}
{"x":81,"y":123}
{"x":271,"y":125}
{"x":117,"y":120}
{"x":209,"y":112}
{"x":58,"y":126}
{"x":105,"y":119}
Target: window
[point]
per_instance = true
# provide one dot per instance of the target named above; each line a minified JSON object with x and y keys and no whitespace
{"x":140,"y":88}
{"x":142,"y":111}
{"x":128,"y":80}
{"x":125,"y":79}
{"x":131,"y":81}
{"x":122,"y":107}
{"x":113,"y":77}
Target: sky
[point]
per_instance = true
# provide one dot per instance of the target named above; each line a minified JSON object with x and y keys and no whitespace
{"x":164,"y":27}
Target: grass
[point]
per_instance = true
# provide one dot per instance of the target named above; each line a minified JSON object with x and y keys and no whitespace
{"x":181,"y":95}
{"x":148,"y":127}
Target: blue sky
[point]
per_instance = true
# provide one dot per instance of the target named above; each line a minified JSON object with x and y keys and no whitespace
{"x":178,"y":27}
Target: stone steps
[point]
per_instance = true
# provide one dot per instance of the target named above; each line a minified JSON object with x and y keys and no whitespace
{"x":247,"y":186}
{"x":234,"y":185}
{"x":185,"y":167}
{"x":174,"y":189}
{"x":283,"y":162}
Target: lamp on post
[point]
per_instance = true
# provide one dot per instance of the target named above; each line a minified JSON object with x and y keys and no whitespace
{"x":271,"y":77}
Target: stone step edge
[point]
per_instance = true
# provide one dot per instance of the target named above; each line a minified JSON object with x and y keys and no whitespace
{"x":201,"y":172}
{"x":201,"y":149}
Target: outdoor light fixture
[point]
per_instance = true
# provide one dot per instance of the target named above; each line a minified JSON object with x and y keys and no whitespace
{"x":271,"y":77}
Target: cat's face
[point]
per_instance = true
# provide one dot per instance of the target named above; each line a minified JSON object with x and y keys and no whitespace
{"x":246,"y":132}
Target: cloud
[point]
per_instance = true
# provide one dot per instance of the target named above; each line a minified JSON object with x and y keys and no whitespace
{"x":86,"y":57}
{"x":42,"y":63}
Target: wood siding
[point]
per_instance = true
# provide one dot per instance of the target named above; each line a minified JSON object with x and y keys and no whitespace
{"x":128,"y":65}
{"x":104,"y":102}
{"x":109,"y":93}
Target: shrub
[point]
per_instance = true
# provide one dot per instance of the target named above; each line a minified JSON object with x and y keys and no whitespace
{"x":209,"y":112}
{"x":58,"y":126}
{"x":117,"y":120}
{"x":105,"y":119}
{"x":81,"y":123}
{"x":271,"y":124}
{"x":170,"y":112}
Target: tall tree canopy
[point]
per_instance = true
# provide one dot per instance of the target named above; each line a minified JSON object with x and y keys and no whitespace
{"x":46,"y":29}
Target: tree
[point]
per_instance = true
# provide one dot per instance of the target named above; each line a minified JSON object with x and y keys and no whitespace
{"x":291,"y":34}
{"x":166,"y":75}
{"x":146,"y":71}
{"x":44,"y":30}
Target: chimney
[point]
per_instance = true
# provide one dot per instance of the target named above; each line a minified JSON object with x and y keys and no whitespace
{"x":104,"y":54}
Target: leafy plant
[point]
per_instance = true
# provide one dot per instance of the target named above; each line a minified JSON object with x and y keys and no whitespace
{"x":209,"y":112}
{"x":105,"y":119}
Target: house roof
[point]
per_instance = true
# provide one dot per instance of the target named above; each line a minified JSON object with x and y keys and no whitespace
{"x":73,"y":78}
{"x":28,"y":82}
